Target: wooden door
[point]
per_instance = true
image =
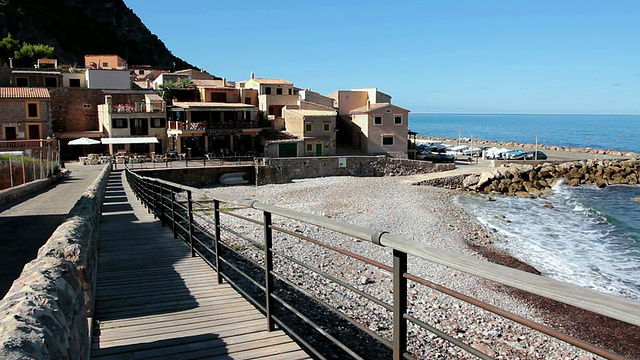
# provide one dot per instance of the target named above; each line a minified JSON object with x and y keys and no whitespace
{"x":33,"y":132}
{"x":10,"y":133}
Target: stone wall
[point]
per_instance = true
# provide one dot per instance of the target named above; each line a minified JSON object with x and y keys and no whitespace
{"x":283,"y":170}
{"x":528,"y":180}
{"x":45,"y":314}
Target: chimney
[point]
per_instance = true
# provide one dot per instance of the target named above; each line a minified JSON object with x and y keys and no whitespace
{"x":11,"y":63}
{"x":368,"y":105}
{"x":224,"y":82}
{"x":252,"y":75}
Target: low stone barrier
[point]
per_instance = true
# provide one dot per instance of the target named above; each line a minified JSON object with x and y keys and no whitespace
{"x":46,"y":313}
{"x":283,"y":170}
{"x":530,"y":181}
{"x":19,"y":191}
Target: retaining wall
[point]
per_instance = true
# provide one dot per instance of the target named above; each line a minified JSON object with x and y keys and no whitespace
{"x":47,"y":312}
{"x":284,"y":170}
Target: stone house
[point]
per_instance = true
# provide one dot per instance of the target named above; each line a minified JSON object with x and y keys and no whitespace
{"x":26,"y":113}
{"x":371,"y":123}
{"x":316,"y":127}
{"x":105,"y":62}
{"x":272,"y":95}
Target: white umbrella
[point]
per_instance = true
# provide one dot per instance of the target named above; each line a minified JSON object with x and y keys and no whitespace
{"x":84,"y":141}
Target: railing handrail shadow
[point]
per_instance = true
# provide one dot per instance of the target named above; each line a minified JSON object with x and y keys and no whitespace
{"x":161,"y":197}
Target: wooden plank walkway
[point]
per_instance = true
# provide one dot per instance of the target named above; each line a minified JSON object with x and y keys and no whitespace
{"x":153,"y":300}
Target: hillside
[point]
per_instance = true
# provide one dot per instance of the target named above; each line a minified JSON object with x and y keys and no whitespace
{"x":79,"y":27}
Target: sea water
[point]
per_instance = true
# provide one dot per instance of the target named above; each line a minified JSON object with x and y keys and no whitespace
{"x":611,"y":132}
{"x":583,"y":235}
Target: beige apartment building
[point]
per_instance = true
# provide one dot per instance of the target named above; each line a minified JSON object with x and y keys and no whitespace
{"x":375,"y":125}
{"x":273,"y":95}
{"x":316,"y":127}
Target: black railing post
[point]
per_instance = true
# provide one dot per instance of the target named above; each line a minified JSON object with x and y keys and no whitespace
{"x":162,"y":204}
{"x":216,"y":240}
{"x":173,"y":214}
{"x":399,"y":304}
{"x":154,"y":200}
{"x":190,"y":209}
{"x":268,"y":269}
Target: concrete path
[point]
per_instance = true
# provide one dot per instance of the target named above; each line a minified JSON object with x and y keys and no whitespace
{"x":27,"y":223}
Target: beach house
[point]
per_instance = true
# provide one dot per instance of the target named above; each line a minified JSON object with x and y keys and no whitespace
{"x":371,"y":123}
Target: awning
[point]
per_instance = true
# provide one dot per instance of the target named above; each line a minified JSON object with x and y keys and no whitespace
{"x":131,"y":140}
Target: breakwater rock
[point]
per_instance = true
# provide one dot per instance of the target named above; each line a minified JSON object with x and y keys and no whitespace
{"x":532,"y":181}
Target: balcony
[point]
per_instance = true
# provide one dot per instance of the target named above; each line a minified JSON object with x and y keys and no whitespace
{"x":8,"y":145}
{"x":138,"y":107}
{"x":212,"y":126}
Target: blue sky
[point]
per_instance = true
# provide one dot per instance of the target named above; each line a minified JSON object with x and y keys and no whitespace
{"x":488,"y":56}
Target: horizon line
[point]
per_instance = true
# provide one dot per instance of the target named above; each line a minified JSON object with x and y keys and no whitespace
{"x":515,"y":113}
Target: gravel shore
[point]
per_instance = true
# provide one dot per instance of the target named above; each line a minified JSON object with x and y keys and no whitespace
{"x":423,"y":214}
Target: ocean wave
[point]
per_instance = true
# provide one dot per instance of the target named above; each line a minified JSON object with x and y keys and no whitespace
{"x":587,"y":236}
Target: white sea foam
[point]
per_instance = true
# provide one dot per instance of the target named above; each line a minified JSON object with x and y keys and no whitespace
{"x":573,"y":241}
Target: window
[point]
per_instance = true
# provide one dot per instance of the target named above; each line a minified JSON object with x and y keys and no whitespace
{"x":377,"y":120}
{"x":247,"y":100}
{"x":279,"y":91}
{"x":308,"y":127}
{"x":157,"y":123}
{"x":119,"y":123}
{"x":309,"y":147}
{"x":326,"y":127}
{"x":267,"y":90}
{"x":397,"y":119}
{"x":32,"y":110}
{"x":141,"y":72}
{"x":387,"y":111}
{"x":74,"y":82}
{"x":105,"y":64}
{"x":86,"y":106}
{"x":387,"y":140}
{"x":139,"y":127}
{"x":57,"y":107}
{"x":290,"y":91}
{"x":22,"y":82}
{"x":50,"y":82}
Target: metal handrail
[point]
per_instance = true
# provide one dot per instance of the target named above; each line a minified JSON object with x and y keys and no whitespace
{"x":614,"y":307}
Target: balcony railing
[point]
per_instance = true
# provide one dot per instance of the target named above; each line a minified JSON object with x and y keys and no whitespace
{"x":204,"y":126}
{"x":138,"y":107}
{"x":25,"y":144}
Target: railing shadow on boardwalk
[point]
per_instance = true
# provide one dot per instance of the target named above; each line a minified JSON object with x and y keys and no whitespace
{"x":137,"y":259}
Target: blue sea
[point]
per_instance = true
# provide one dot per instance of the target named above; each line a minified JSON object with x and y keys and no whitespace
{"x":610,"y":132}
{"x":583,"y":235}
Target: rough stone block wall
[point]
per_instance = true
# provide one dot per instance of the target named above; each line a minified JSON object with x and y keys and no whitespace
{"x":45,"y":313}
{"x":68,"y":113}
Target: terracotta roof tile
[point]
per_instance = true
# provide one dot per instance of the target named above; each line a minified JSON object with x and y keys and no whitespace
{"x":23,"y":93}
{"x":272,"y":81}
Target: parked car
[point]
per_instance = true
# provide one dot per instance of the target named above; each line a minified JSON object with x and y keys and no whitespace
{"x":434,"y":156}
{"x":531,"y":155}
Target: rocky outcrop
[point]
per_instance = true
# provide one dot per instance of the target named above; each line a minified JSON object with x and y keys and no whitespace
{"x":528,"y":180}
{"x":76,"y":28}
{"x":45,"y":313}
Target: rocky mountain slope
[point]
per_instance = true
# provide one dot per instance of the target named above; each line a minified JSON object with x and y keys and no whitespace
{"x":78,"y":27}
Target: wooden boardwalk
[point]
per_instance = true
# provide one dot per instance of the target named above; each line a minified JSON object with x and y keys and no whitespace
{"x":153,"y":300}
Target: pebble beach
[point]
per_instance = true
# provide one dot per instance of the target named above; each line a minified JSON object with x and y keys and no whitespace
{"x":422,"y":214}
